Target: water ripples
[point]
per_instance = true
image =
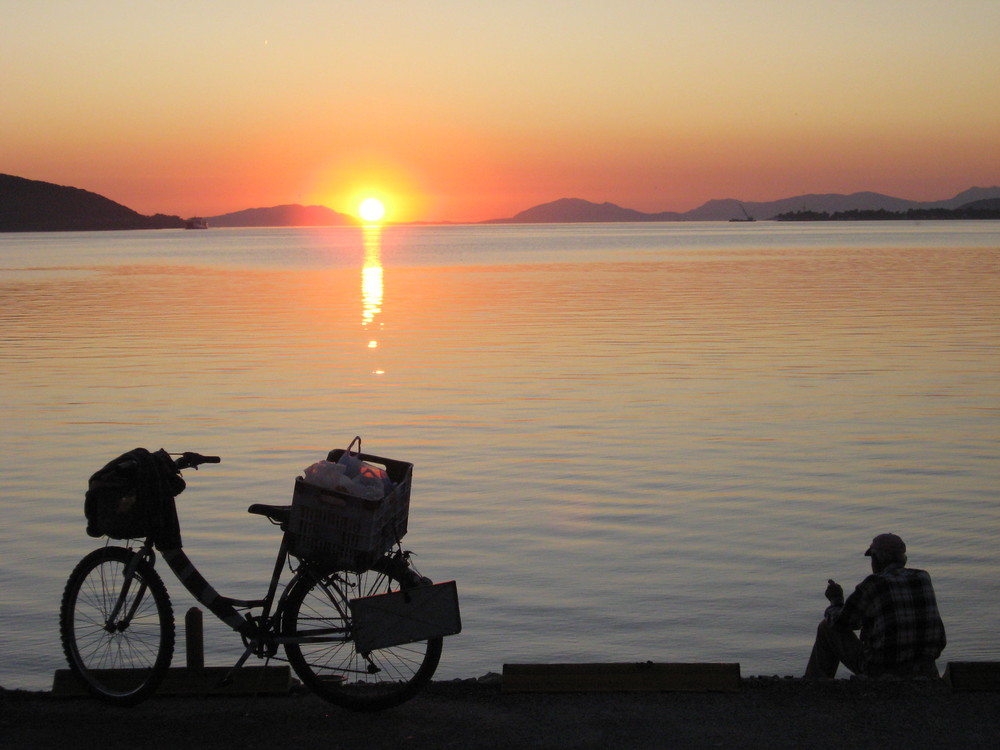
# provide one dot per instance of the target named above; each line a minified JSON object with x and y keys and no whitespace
{"x":630,"y":442}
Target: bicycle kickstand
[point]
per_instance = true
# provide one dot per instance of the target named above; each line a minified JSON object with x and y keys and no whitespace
{"x":228,"y":678}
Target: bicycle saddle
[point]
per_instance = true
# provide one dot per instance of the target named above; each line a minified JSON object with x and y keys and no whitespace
{"x":276,"y":513}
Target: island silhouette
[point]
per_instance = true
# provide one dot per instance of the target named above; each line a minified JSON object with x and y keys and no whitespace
{"x":34,"y":206}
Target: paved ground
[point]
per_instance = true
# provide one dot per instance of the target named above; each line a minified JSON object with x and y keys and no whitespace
{"x":764,"y":713}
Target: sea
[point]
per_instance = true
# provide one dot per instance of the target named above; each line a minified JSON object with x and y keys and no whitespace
{"x":631,"y":442}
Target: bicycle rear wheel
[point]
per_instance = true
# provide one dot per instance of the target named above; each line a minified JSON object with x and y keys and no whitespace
{"x":120,"y":656}
{"x":333,"y":668}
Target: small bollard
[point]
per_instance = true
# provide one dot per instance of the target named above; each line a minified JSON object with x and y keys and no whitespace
{"x":194,"y":639}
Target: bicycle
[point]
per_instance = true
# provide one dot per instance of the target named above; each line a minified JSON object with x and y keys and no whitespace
{"x":117,"y":623}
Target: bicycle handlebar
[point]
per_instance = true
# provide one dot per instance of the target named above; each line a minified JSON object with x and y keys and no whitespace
{"x":189,"y":460}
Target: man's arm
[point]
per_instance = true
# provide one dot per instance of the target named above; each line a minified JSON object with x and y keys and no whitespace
{"x":848,"y":615}
{"x":835,"y":595}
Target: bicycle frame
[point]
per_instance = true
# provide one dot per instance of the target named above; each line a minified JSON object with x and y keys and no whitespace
{"x":262,"y":634}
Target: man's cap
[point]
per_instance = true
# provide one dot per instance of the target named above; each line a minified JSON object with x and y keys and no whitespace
{"x":886,"y":543}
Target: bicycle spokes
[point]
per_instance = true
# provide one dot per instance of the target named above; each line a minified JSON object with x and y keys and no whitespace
{"x":116,"y":624}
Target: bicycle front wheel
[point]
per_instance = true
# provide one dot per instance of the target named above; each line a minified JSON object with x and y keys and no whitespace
{"x":327,"y":659}
{"x":118,"y":634}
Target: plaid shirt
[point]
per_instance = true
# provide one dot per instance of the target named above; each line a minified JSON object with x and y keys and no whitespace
{"x":897,"y":613}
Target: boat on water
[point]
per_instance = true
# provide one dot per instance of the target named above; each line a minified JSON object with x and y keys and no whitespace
{"x":747,"y":217}
{"x":196,"y":222}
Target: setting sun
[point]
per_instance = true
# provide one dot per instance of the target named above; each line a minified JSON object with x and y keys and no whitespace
{"x":371,"y":209}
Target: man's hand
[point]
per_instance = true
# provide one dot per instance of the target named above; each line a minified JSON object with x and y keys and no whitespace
{"x":834,"y":592}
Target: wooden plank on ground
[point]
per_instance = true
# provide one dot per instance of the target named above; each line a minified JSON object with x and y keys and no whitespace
{"x":973,"y":675}
{"x":253,"y":680}
{"x":626,"y":677}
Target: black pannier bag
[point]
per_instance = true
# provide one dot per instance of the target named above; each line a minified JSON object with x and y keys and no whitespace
{"x":133,"y":497}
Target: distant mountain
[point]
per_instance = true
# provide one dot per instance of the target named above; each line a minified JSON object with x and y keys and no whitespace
{"x":575,"y":210}
{"x":33,"y":206}
{"x":283,"y":216}
{"x":717,"y":210}
{"x":986,"y":204}
{"x":972,"y":195}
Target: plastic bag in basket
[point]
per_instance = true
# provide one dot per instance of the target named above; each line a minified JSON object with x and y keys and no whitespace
{"x":351,"y":475}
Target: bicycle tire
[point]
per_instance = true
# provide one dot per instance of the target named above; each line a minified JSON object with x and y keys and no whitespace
{"x":336,"y":671}
{"x":120,"y":664}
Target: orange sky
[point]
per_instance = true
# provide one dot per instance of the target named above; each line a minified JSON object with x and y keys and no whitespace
{"x":462,"y":111}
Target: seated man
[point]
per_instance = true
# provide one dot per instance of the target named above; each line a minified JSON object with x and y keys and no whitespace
{"x":896,"y":611}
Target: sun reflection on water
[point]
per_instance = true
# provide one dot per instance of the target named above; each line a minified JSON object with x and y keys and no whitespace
{"x":372,"y":287}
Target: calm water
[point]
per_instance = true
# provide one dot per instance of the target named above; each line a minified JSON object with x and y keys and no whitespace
{"x":632,"y":442}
